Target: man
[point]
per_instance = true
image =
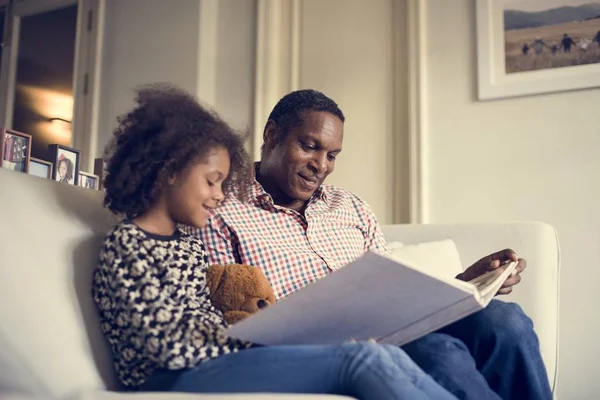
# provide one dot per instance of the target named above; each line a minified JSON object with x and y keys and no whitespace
{"x":298,"y":230}
{"x":566,"y":43}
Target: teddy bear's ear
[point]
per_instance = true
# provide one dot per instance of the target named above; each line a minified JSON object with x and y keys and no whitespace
{"x":213,"y":277}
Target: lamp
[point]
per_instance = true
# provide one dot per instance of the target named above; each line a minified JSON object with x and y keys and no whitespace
{"x":59,"y":119}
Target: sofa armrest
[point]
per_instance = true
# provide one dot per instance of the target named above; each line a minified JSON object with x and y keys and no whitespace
{"x":537,"y":294}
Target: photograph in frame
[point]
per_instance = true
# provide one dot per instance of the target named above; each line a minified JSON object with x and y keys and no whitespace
{"x":15,"y":150}
{"x":542,"y":34}
{"x":65,"y":163}
{"x":89,"y":181}
{"x":533,"y":47}
{"x":40,"y":168}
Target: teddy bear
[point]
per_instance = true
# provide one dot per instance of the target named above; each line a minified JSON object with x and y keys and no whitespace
{"x":238,"y":290}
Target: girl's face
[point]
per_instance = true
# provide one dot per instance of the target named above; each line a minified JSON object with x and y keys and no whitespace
{"x":62,"y":168}
{"x":197,"y":191}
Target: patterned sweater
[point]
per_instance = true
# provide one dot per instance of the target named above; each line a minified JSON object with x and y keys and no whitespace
{"x":153,"y":301}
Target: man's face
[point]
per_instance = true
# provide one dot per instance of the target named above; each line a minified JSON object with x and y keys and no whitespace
{"x":300,"y":164}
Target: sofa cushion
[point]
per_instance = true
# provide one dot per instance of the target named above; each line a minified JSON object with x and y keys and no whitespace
{"x":438,"y":258}
{"x":50,"y":236}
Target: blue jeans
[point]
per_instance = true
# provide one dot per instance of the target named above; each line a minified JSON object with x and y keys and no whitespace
{"x":492,"y":354}
{"x":362,"y":370}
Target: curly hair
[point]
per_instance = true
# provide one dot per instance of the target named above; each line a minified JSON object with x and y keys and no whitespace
{"x":166,"y":133}
{"x":287,"y":113}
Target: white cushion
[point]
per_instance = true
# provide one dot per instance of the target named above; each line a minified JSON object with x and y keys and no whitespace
{"x":50,"y":236}
{"x":438,"y":258}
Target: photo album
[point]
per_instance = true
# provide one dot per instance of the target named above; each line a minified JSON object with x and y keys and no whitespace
{"x":377,"y":296}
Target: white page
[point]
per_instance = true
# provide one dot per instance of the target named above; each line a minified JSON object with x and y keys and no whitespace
{"x":372,"y":297}
{"x":490,"y":291}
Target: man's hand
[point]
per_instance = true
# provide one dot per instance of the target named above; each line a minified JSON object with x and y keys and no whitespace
{"x":495,"y":261}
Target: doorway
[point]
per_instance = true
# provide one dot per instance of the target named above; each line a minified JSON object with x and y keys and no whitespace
{"x":44,"y":69}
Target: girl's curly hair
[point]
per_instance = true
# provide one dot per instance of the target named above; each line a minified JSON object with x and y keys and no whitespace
{"x":166,"y":133}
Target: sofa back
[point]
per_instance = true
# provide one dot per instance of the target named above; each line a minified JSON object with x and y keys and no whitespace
{"x":50,"y":237}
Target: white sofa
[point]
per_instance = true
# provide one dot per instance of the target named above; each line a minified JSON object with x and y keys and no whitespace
{"x":50,"y":234}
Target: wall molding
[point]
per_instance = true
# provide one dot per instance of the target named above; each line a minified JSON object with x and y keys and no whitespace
{"x":206,"y":81}
{"x":417,"y":110}
{"x":277,"y":69}
{"x":277,"y":72}
{"x":87,"y":77}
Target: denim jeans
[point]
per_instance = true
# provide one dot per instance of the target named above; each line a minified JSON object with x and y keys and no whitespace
{"x":492,"y":354}
{"x":362,"y":370}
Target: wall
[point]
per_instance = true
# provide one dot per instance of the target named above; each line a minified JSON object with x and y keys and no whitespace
{"x":234,"y":94}
{"x":533,"y":158}
{"x":355,"y":69}
{"x":148,"y":41}
{"x":145,"y":41}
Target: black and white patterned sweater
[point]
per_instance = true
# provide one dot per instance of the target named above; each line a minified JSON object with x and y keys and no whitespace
{"x":154,"y":307}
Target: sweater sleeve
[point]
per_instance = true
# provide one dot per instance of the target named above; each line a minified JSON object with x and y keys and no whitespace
{"x":171,"y":320}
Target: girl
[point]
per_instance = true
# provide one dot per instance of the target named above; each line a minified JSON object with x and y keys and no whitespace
{"x":65,"y":170}
{"x":171,"y":162}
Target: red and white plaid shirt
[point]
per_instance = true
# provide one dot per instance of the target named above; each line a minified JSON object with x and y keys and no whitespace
{"x":292,"y":249}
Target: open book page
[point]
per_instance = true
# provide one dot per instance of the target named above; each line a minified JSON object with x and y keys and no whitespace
{"x":466,"y":286}
{"x":373,"y":297}
{"x":489,"y":283}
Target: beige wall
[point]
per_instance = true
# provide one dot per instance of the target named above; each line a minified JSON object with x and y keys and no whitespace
{"x":355,"y":69}
{"x":533,"y":158}
{"x":145,"y":41}
{"x":148,"y":41}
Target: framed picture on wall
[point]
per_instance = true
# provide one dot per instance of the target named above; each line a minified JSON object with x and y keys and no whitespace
{"x":89,"y":181}
{"x":40,"y":168}
{"x":15,"y":150}
{"x":66,"y":163}
{"x":528,"y":47}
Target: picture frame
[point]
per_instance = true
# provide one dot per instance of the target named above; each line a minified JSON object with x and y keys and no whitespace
{"x":40,"y":168}
{"x":66,"y":162}
{"x":90,"y":181}
{"x":15,"y":150}
{"x":495,"y":47}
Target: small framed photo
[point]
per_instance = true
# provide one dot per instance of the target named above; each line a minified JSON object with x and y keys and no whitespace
{"x":66,"y":163}
{"x":89,"y":181}
{"x":40,"y":168}
{"x":15,"y":150}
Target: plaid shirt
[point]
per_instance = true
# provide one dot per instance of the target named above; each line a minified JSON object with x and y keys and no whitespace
{"x":292,"y":249}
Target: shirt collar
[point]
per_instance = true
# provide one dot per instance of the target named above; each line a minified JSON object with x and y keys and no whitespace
{"x":257,"y":191}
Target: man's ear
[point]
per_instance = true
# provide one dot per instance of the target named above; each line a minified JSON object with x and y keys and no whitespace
{"x":270,"y":135}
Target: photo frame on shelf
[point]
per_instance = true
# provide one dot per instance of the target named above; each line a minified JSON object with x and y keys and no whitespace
{"x":529,"y":47}
{"x":40,"y":168}
{"x":15,"y":150}
{"x":65,"y":163}
{"x":89,"y":181}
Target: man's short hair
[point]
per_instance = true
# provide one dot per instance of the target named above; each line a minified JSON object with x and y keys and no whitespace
{"x":287,"y":113}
